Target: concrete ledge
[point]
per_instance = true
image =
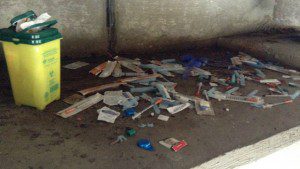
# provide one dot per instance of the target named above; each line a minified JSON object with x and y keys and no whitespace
{"x":253,"y":152}
{"x":282,"y":48}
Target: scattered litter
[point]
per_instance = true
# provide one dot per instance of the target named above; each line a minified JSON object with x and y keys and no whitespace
{"x":296,"y":78}
{"x":130,"y":131}
{"x":131,"y":66}
{"x":174,"y":144}
{"x":253,"y":93}
{"x":200,"y":72}
{"x":101,"y":88}
{"x":233,"y":90}
{"x":204,"y":107}
{"x":274,"y":90}
{"x":108,"y":115}
{"x":162,"y":90}
{"x":236,"y":61}
{"x":143,"y":89}
{"x":163,"y":117}
{"x":178,"y":108}
{"x":113,"y":98}
{"x":120,"y":139}
{"x":129,"y":112}
{"x":295,"y":95}
{"x":142,"y":125}
{"x":76,"y":65}
{"x":80,"y":106}
{"x":220,"y":96}
{"x":130,"y":102}
{"x":260,"y":74}
{"x":277,"y":96}
{"x":150,"y":125}
{"x":118,"y":70}
{"x":277,"y":104}
{"x":274,"y":81}
{"x":108,"y":70}
{"x":168,"y":61}
{"x":73,"y":99}
{"x":145,"y":144}
{"x":286,"y":76}
{"x":97,"y":70}
{"x":294,"y":84}
{"x":213,"y":84}
{"x":198,"y":92}
{"x":164,"y":95}
{"x":140,"y":113}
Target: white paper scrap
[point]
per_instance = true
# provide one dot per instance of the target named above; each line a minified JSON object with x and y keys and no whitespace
{"x":108,"y":115}
{"x":163,"y":117}
{"x":270,"y":81}
{"x":41,"y":19}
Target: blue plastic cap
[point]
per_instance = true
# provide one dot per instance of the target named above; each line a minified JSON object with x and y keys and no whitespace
{"x":145,"y":144}
{"x":129,"y":112}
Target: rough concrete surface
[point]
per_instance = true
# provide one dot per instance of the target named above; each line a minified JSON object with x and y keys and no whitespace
{"x":39,"y":139}
{"x":82,"y":23}
{"x":287,"y":13}
{"x":156,"y":24}
{"x":284,"y":48}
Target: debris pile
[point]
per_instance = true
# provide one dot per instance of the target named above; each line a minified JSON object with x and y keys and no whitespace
{"x":149,"y":82}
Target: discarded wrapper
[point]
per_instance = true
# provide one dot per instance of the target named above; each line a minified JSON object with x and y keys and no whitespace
{"x":204,"y":107}
{"x":41,"y":19}
{"x":113,"y":98}
{"x":108,"y":115}
{"x":178,"y":108}
{"x":80,"y":106}
{"x":174,"y":144}
{"x":109,"y":68}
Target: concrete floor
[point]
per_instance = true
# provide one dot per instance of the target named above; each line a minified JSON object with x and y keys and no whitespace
{"x":39,"y":139}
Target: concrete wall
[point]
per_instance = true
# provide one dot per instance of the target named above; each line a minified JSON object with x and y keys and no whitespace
{"x":154,"y":25}
{"x":287,"y":13}
{"x":82,"y":23}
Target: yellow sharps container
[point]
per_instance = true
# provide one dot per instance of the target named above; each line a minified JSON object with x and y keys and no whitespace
{"x":33,"y":62}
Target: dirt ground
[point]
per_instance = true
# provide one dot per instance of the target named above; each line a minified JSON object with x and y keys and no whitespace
{"x":41,"y":140}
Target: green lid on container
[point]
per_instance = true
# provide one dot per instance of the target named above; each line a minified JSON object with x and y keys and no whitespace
{"x":29,"y":14}
{"x":44,"y":36}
